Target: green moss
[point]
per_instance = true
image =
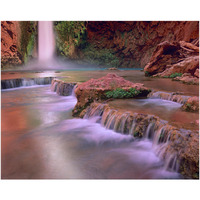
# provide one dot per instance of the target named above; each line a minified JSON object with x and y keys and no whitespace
{"x":27,"y":39}
{"x":121,"y":93}
{"x":175,"y":75}
{"x":70,"y":35}
{"x":100,"y":56}
{"x":147,"y":73}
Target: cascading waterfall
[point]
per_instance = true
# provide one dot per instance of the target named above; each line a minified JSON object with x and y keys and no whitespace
{"x":46,"y":41}
{"x":24,"y":82}
{"x":169,"y":96}
{"x":141,"y":126}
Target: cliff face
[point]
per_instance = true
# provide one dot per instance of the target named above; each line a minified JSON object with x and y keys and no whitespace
{"x":10,"y":34}
{"x":18,"y":42}
{"x":134,"y":42}
{"x":111,"y":43}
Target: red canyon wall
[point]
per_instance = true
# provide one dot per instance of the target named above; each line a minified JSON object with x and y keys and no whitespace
{"x":131,"y":42}
{"x":10,"y":34}
{"x":136,"y":41}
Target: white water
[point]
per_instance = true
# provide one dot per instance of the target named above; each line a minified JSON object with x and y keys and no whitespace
{"x":46,"y":142}
{"x":46,"y":41}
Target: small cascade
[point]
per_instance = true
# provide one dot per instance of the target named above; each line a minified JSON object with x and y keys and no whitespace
{"x":62,"y":88}
{"x":25,"y":82}
{"x":169,"y":96}
{"x":142,"y":126}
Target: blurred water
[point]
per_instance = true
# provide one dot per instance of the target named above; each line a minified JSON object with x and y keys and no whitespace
{"x":40,"y":139}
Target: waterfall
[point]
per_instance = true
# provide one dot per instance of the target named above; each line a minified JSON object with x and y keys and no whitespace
{"x":162,"y":135}
{"x":169,"y":96}
{"x":46,"y":41}
{"x":25,"y":82}
{"x":62,"y":88}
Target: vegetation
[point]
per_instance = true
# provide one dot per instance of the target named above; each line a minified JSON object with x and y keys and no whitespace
{"x":70,"y":35}
{"x":175,"y":75}
{"x":147,"y":73}
{"x":121,"y":93}
{"x":27,"y":39}
{"x":100,"y":56}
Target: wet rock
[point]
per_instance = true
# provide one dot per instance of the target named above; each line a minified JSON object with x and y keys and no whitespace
{"x":176,"y":97}
{"x":179,"y":148}
{"x":62,"y":88}
{"x":95,"y":90}
{"x":192,"y":104}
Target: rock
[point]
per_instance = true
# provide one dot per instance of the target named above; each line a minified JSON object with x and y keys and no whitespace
{"x":112,"y":68}
{"x":196,"y":73}
{"x":134,"y":42}
{"x":179,"y":148}
{"x":95,"y":90}
{"x":187,"y":65}
{"x":164,"y":54}
{"x":189,"y":45}
{"x":187,"y":79}
{"x":62,"y":88}
{"x":192,"y":104}
{"x":10,"y":54}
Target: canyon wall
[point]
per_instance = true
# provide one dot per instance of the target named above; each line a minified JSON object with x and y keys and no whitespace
{"x":134,"y":42}
{"x":18,"y":42}
{"x":106,"y":43}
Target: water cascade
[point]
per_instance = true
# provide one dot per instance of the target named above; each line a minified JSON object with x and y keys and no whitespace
{"x":169,"y":96}
{"x":148,"y":127}
{"x":24,"y":82}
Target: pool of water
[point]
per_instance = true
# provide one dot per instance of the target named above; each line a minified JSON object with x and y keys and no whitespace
{"x":135,"y":76}
{"x":41,"y":140}
{"x":167,"y":110}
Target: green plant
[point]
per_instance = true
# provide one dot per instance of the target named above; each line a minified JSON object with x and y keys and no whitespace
{"x":120,"y":93}
{"x":147,"y":73}
{"x":136,"y":134}
{"x":27,"y":38}
{"x":70,"y":34}
{"x":95,"y":55}
{"x":175,"y":75}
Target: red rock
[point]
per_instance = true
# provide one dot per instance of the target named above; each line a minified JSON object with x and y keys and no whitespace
{"x":10,"y":34}
{"x":163,"y":55}
{"x":95,"y":89}
{"x":187,"y":65}
{"x":192,"y":104}
{"x":187,"y":79}
{"x":136,"y":41}
{"x":196,"y":73}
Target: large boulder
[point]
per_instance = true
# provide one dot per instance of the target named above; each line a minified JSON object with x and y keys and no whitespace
{"x":95,"y":90}
{"x":170,"y":58}
{"x":192,"y":104}
{"x":187,"y":65}
{"x":164,"y":54}
{"x":187,"y":78}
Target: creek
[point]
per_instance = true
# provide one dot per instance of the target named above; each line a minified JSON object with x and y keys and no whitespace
{"x":41,"y":139}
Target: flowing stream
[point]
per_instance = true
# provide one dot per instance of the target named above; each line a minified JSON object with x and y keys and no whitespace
{"x":40,"y":139}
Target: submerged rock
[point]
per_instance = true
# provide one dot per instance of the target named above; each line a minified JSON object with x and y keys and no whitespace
{"x":179,"y":148}
{"x":95,"y":90}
